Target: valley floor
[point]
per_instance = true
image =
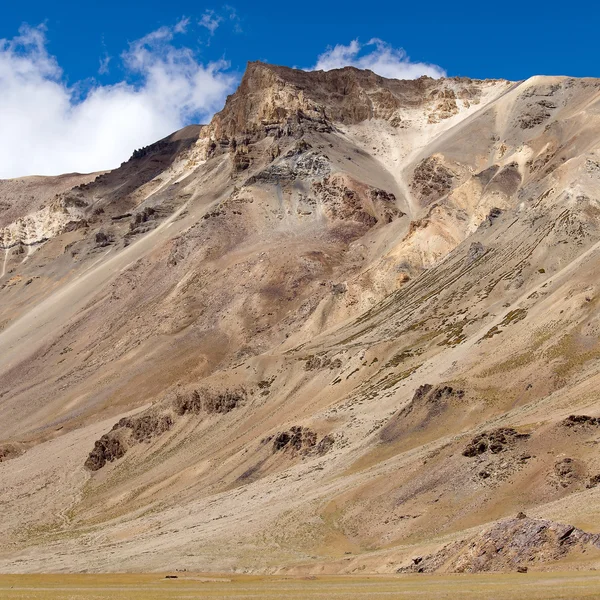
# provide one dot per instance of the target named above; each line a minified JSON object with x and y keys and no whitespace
{"x":583,"y":584}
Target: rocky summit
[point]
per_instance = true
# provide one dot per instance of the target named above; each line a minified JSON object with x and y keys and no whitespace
{"x":350,"y":325}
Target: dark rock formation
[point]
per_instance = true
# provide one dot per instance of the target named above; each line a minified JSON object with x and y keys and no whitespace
{"x":494,"y":441}
{"x":581,"y":421}
{"x":125,"y":433}
{"x":432,"y":180}
{"x":8,"y":451}
{"x":302,"y":440}
{"x":108,"y":448}
{"x":145,"y":427}
{"x":209,"y":401}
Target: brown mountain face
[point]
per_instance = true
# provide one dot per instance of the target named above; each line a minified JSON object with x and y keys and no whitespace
{"x":351,"y":324}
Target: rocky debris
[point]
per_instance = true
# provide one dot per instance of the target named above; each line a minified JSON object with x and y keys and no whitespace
{"x":427,"y":394}
{"x":297,"y":438}
{"x":445,"y":106}
{"x":240,"y":161}
{"x":120,"y":217}
{"x":307,"y":165}
{"x":265,"y":386}
{"x":386,"y":202}
{"x":428,"y":403}
{"x":138,"y":220}
{"x":593,"y":482}
{"x":337,"y":289}
{"x":445,"y":391}
{"x":103,"y":239}
{"x":510,"y":545}
{"x":312,"y":363}
{"x":494,"y":441}
{"x":159,"y":146}
{"x":209,"y":401}
{"x":302,"y":440}
{"x":567,"y":471}
{"x":8,"y":451}
{"x":74,"y":199}
{"x":74,"y":225}
{"x":432,"y":179}
{"x":506,"y":181}
{"x":343,"y":200}
{"x":342,"y":203}
{"x":591,"y":166}
{"x":298,"y":148}
{"x":492,"y":216}
{"x":274,"y":151}
{"x":224,"y":402}
{"x":537,"y":115}
{"x":325,"y":445}
{"x":417,"y":224}
{"x":421,"y":392}
{"x":476,"y":250}
{"x":580,"y":421}
{"x":317,"y":362}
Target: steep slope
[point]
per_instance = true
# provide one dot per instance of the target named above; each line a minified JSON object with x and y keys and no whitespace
{"x":343,"y":324}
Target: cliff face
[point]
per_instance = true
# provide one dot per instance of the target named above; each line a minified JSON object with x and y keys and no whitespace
{"x":348,"y":321}
{"x":270,"y":96}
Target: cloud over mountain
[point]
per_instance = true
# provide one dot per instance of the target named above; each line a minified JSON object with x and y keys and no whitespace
{"x":49,"y":126}
{"x":378,"y":56}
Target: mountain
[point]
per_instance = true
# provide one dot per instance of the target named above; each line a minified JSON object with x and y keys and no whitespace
{"x":350,"y":324}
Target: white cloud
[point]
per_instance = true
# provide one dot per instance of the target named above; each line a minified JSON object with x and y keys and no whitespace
{"x":379,"y":57}
{"x":48,"y":127}
{"x":234,"y":18}
{"x":210,"y":20}
{"x":104,"y":62}
{"x":182,"y":25}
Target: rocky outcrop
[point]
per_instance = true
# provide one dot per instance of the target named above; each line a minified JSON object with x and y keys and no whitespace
{"x":344,"y":200}
{"x":494,"y":441}
{"x":427,"y":404}
{"x":42,"y":225}
{"x":209,"y":401}
{"x":432,"y":179}
{"x":127,"y":432}
{"x":510,"y":545}
{"x":279,"y":101}
{"x":567,"y":471}
{"x":302,"y":440}
{"x":108,"y":448}
{"x":581,"y":421}
{"x":144,"y":428}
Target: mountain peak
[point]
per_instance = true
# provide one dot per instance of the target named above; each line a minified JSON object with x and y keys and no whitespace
{"x":271,"y":94}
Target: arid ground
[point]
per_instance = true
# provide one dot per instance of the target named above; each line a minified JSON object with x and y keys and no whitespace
{"x":541,"y":586}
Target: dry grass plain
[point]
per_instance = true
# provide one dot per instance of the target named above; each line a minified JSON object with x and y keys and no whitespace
{"x":544,"y":586}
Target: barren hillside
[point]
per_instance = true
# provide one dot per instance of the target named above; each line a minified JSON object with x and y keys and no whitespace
{"x":349,"y":325}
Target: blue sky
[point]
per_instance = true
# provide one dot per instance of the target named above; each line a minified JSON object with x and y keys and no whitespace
{"x":92,"y":80}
